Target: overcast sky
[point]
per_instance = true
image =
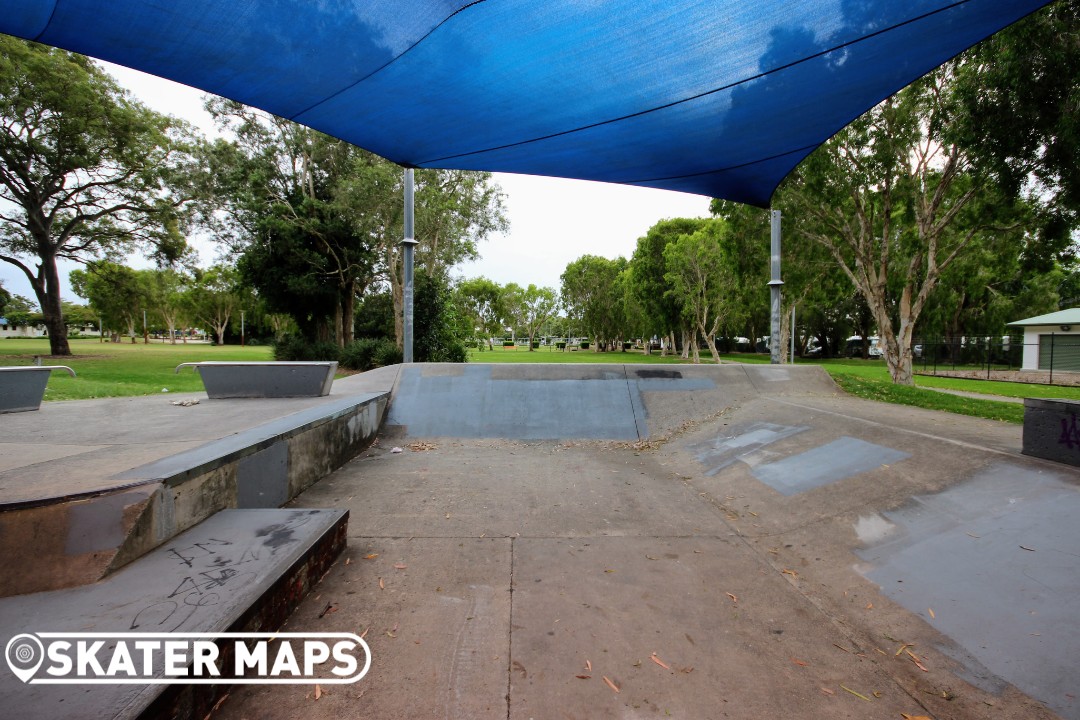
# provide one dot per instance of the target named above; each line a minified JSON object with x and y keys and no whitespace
{"x":552,"y":221}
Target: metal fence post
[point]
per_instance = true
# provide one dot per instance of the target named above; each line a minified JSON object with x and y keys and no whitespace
{"x":1051,"y":358}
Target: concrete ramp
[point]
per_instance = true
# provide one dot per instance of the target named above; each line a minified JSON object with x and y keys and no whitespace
{"x":579,"y":401}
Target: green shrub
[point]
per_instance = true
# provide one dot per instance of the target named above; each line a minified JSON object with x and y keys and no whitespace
{"x":295,"y":348}
{"x":535,"y":344}
{"x":560,"y":346}
{"x":368,"y":353}
{"x":388,"y":354}
{"x":584,"y":346}
{"x":508,"y":343}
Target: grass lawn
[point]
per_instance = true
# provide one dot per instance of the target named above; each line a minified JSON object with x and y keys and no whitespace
{"x":122,"y":369}
{"x":870,"y":379}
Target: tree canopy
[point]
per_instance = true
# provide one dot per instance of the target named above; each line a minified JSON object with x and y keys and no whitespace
{"x":85,"y":171}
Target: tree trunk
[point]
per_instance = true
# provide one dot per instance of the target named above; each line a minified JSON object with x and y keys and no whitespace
{"x":47,"y":289}
{"x":339,"y":323}
{"x":348,"y":310}
{"x":785,"y":334}
{"x":393,"y":273}
{"x":710,"y":340}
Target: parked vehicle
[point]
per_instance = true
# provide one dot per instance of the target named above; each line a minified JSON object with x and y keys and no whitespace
{"x":854,"y":347}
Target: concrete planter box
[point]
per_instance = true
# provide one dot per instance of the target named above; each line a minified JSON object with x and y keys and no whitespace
{"x":22,"y":388}
{"x":265,"y":379}
{"x":1052,"y":429}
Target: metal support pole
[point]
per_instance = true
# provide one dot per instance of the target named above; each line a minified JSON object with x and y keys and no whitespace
{"x":241,"y":329}
{"x":775,"y":283}
{"x":407,"y":245}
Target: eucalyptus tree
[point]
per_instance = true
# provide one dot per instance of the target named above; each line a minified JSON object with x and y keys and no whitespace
{"x":660,"y":312}
{"x":214,"y":297}
{"x":483,"y":302}
{"x":896,"y":201}
{"x":701,"y":273}
{"x":593,"y":293}
{"x":273,"y":194}
{"x":116,"y":292}
{"x":531,"y":307}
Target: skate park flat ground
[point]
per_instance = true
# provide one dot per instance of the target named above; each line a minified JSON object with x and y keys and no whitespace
{"x":694,"y":542}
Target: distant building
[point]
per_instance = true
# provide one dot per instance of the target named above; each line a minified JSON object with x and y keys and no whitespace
{"x":9,"y":330}
{"x":1052,"y":340}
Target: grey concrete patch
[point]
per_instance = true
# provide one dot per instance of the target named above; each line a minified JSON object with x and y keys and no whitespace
{"x":740,"y":441}
{"x":202,"y":581}
{"x":997,"y":560}
{"x":97,"y":524}
{"x":842,"y":458}
{"x":262,"y":479}
{"x":473,"y":404}
{"x":534,"y":402}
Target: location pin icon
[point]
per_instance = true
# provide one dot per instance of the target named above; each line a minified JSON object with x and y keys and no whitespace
{"x":24,"y":654}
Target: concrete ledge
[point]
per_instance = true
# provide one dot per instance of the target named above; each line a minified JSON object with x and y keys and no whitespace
{"x":1052,"y":429}
{"x":63,"y":542}
{"x":264,"y":379}
{"x":240,"y":571}
{"x":22,"y":388}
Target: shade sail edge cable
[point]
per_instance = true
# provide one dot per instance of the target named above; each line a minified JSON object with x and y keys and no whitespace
{"x":698,"y":96}
{"x":388,"y":63}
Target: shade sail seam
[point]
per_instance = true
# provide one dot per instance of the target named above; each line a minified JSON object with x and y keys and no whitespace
{"x":388,"y":63}
{"x":729,"y":168}
{"x":45,"y":27}
{"x":658,"y":108}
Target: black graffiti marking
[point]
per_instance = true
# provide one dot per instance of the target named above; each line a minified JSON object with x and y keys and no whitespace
{"x":1070,"y":433}
{"x":164,"y":603}
{"x":197,"y":550}
{"x":209,"y":581}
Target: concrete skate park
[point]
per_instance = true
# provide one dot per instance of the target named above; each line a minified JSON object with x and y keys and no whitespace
{"x":535,"y":541}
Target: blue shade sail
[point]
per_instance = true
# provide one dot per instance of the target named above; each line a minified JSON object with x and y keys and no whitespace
{"x":715,"y":97}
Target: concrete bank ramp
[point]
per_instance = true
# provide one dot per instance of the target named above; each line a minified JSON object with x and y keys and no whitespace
{"x":580,"y":401}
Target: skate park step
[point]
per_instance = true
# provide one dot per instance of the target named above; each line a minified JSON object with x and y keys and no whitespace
{"x":89,"y":486}
{"x":238,"y":571}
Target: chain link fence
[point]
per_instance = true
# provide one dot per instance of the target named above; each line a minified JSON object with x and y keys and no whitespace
{"x":1053,"y":360}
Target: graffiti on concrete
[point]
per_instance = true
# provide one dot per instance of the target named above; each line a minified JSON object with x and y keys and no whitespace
{"x":1070,"y":433}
